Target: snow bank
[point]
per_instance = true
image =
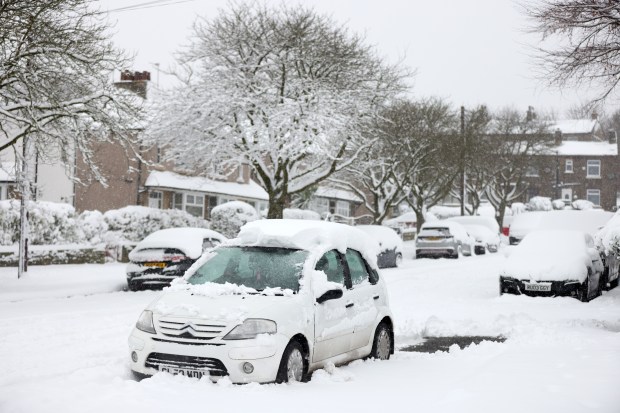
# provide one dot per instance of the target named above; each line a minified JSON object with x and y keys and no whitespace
{"x":550,"y":255}
{"x":229,"y":217}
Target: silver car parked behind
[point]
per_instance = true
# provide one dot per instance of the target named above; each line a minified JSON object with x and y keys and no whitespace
{"x":443,"y":239}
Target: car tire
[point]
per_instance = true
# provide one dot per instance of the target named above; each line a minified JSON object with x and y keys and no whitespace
{"x":382,"y":343}
{"x":399,"y":260}
{"x":133,"y":286}
{"x":294,"y":364}
{"x":613,"y":284}
{"x":582,"y":293}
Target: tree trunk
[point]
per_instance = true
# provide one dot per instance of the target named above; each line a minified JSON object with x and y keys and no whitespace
{"x":419,"y":218}
{"x":24,"y":188}
{"x":276,"y":206}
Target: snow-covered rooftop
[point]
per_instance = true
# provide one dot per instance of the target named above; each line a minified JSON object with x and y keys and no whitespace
{"x":327,"y":192}
{"x":576,"y":148}
{"x":574,"y":126}
{"x":173,"y":180}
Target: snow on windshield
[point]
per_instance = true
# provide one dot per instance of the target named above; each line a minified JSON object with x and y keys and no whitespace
{"x":549,"y":255}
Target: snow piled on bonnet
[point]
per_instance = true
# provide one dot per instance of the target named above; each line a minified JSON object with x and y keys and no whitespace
{"x":549,"y":256}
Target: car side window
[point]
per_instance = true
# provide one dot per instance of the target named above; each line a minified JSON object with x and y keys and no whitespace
{"x":331,"y":265}
{"x":357,"y":267}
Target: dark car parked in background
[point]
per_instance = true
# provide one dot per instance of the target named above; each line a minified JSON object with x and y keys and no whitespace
{"x":167,"y":254}
{"x":390,"y":244}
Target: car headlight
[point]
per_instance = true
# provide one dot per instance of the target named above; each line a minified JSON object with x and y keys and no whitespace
{"x":145,"y":322}
{"x":250,"y":328}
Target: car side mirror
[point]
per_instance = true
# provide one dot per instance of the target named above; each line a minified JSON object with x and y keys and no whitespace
{"x":330,"y":295}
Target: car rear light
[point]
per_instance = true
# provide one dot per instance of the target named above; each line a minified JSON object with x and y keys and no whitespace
{"x":506,"y":231}
{"x":173,"y":257}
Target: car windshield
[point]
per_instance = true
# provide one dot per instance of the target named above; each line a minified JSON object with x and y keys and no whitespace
{"x":255,"y":267}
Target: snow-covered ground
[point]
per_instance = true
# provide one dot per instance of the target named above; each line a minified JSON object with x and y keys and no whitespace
{"x":64,"y":329}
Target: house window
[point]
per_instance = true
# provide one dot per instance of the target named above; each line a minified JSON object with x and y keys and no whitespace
{"x":594,"y":168}
{"x":155,"y":199}
{"x":342,"y":208}
{"x":190,"y":203}
{"x":594,"y":196}
{"x":568,"y":167}
{"x":212,"y":203}
{"x":195,"y":204}
{"x":320,"y":205}
{"x":532,"y":171}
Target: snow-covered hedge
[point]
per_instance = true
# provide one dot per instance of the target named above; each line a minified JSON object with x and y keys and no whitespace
{"x":55,"y":223}
{"x":50,"y":223}
{"x":539,"y":203}
{"x":134,"y":223}
{"x":558,"y":204}
{"x":229,"y":217}
{"x":582,"y":204}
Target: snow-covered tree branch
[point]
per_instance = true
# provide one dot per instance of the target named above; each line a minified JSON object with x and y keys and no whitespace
{"x":287,"y":91}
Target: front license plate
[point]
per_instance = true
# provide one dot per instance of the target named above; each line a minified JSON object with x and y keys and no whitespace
{"x":537,"y":287}
{"x":183,"y":372}
{"x":155,"y":264}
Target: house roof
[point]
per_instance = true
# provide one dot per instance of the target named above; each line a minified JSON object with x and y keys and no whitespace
{"x":575,"y":126}
{"x":165,"y":179}
{"x":592,"y":148}
{"x":328,"y":192}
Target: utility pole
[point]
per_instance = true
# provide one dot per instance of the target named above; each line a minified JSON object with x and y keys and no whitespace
{"x":464,"y":141}
{"x":24,"y":188}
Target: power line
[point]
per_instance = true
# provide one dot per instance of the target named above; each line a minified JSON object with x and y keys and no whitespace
{"x":147,"y":5}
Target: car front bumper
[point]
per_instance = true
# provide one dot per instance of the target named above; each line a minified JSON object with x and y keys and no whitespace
{"x":221,"y":357}
{"x":509,"y":285}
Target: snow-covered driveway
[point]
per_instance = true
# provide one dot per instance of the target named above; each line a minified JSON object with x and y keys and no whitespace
{"x":63,"y":347}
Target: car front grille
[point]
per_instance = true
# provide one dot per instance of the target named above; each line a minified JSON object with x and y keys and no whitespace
{"x":190,"y":329}
{"x":215,"y":366}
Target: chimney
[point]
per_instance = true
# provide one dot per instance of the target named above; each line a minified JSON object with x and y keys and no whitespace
{"x":612,"y":136}
{"x":594,"y":115}
{"x":531,"y":115}
{"x":135,"y":82}
{"x":557,"y":137}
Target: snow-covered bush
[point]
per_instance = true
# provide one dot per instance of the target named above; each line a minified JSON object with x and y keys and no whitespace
{"x":517,"y":208}
{"x":49,"y":222}
{"x":294,"y":213}
{"x":582,"y":204}
{"x":229,"y":217}
{"x":539,"y":203}
{"x":93,"y":226}
{"x":133,"y":223}
{"x":558,"y":204}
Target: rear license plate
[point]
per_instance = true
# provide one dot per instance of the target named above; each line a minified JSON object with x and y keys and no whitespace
{"x":184,"y":372}
{"x":537,"y":287}
{"x":155,"y":264}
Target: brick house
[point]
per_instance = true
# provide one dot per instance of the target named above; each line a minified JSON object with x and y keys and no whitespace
{"x":582,"y":163}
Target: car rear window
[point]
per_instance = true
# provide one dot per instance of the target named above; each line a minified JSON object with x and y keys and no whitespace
{"x":435,"y":232}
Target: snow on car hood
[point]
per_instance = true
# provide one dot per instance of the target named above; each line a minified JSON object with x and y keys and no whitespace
{"x":229,"y":308}
{"x":549,"y":256}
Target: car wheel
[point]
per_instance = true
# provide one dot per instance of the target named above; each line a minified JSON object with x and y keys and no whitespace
{"x":382,"y":343}
{"x":133,"y":286}
{"x":613,"y":284}
{"x":399,"y":260}
{"x":294,"y":364}
{"x":582,"y":292}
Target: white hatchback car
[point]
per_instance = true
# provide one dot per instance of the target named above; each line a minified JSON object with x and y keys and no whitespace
{"x":283,"y":299}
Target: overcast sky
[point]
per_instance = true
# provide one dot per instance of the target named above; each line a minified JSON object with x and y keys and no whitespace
{"x":469,"y":52}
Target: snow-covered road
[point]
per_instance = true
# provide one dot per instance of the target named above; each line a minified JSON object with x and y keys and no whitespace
{"x":63,"y":347}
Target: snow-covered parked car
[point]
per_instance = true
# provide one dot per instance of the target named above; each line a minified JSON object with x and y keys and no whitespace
{"x":443,"y":239}
{"x":166,"y":254}
{"x":485,"y":231}
{"x":284,"y":298}
{"x":390,"y":244}
{"x":552,"y":263}
{"x":607,"y":241}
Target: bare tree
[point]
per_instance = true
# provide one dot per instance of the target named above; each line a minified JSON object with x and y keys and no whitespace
{"x":584,"y":36}
{"x":56,"y":96}
{"x":285,"y":90}
{"x":514,"y":141}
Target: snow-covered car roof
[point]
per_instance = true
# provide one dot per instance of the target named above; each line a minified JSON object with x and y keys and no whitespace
{"x":481,"y":233}
{"x":487,"y":222}
{"x":189,"y":240}
{"x":387,"y":238}
{"x":314,"y":236}
{"x":550,"y":255}
{"x":588,"y":221}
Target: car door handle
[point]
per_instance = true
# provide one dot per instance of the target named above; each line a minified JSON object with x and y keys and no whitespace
{"x":376,"y":297}
{"x":349,"y":305}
